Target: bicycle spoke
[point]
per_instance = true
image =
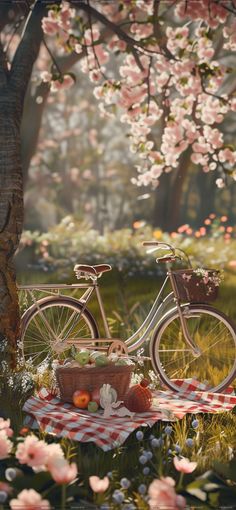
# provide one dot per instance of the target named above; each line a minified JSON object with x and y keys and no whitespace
{"x":53,"y":324}
{"x":214,"y":338}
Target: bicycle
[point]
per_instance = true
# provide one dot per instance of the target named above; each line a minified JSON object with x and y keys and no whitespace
{"x":190,"y":338}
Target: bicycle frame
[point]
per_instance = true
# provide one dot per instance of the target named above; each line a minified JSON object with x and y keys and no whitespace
{"x":160,"y":307}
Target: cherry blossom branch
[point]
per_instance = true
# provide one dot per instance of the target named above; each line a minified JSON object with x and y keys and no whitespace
{"x":131,"y":43}
{"x":92,"y":39}
{"x":54,"y":61}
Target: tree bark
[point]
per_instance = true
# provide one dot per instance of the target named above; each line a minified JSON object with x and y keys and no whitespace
{"x":13,"y":85}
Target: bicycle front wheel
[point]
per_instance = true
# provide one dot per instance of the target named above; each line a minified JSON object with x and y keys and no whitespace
{"x":50,"y":327}
{"x":213,"y":334}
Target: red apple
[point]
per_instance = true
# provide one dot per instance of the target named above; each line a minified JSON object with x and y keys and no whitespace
{"x":95,"y":396}
{"x":81,"y":398}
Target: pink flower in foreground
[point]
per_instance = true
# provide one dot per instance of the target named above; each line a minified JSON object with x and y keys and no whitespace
{"x":162,"y":495}
{"x":5,"y":427}
{"x":99,"y":484}
{"x":54,"y":452}
{"x":32,"y":452}
{"x":5,"y":446}
{"x":63,"y":472}
{"x":184,"y":465}
{"x":29,"y":499}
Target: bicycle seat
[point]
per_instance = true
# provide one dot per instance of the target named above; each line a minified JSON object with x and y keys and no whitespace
{"x":85,"y":271}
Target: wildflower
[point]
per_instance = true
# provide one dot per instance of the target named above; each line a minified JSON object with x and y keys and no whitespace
{"x":139,"y":435}
{"x":184,"y":465}
{"x":11,"y":473}
{"x":195,"y":424}
{"x":63,"y":472}
{"x":99,"y":484}
{"x":5,"y":427}
{"x":54,"y":451}
{"x":189,"y":442}
{"x":168,"y":430}
{"x":32,"y":452}
{"x":3,"y":496}
{"x":5,"y":446}
{"x":142,"y":489}
{"x":143,"y":459}
{"x":156,"y":443}
{"x":162,"y":495}
{"x":29,"y":499}
{"x":177,"y":448}
{"x":148,"y":454}
{"x":118,"y":496}
{"x":125,"y":483}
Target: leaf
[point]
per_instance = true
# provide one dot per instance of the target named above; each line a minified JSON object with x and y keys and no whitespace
{"x":197,"y":492}
{"x":38,"y":481}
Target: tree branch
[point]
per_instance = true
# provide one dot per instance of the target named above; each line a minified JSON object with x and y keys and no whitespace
{"x":131,"y":43}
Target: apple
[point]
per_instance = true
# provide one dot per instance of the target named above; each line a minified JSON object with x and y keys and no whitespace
{"x":81,"y":398}
{"x":95,"y":396}
{"x":121,"y":362}
{"x":82,"y":357}
{"x":92,"y":406}
{"x":101,"y":361}
{"x":93,"y":355}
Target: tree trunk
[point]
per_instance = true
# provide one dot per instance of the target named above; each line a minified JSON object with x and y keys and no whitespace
{"x":11,"y":216}
{"x":166,"y":213}
{"x":13,"y":85}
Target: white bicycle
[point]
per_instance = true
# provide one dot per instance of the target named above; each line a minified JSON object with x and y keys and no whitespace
{"x":188,"y":338}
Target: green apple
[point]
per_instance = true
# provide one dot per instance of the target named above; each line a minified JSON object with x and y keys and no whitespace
{"x":101,"y":361}
{"x":92,"y":406}
{"x":93,"y":355}
{"x":82,"y":357}
{"x":121,"y":362}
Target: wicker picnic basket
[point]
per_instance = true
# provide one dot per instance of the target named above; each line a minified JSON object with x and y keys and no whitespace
{"x":192,"y":287}
{"x":70,"y":379}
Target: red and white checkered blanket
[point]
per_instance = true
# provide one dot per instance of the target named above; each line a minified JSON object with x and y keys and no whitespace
{"x":65,"y":420}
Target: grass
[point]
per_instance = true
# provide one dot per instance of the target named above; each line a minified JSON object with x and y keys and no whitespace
{"x":127,"y":300}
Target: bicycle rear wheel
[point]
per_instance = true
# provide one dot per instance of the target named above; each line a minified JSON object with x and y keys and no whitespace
{"x":213,"y":333}
{"x":51,"y":326}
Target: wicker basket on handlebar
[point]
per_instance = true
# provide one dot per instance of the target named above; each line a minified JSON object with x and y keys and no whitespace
{"x":70,"y":379}
{"x":196,"y":286}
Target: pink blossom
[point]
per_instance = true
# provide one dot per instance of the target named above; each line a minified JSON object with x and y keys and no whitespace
{"x":61,"y":471}
{"x":54,"y":450}
{"x":227,"y":155}
{"x":141,"y":31}
{"x":5,"y":427}
{"x":32,"y":451}
{"x":50,"y":26}
{"x":29,"y":499}
{"x":162,"y":495}
{"x":99,"y":484}
{"x":66,"y":82}
{"x":46,"y":76}
{"x":91,"y":36}
{"x":220,"y":183}
{"x":184,"y":465}
{"x":5,"y":446}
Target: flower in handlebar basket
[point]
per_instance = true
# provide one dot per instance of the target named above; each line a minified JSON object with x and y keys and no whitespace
{"x":212,"y":277}
{"x":187,"y":277}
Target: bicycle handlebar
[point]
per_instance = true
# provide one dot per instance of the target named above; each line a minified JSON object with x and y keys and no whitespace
{"x":165,"y":246}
